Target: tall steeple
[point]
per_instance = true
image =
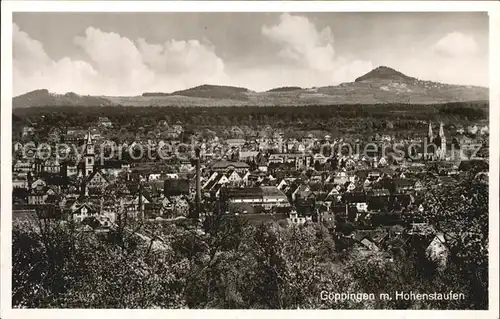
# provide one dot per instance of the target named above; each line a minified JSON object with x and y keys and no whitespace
{"x":89,"y":156}
{"x":441,"y":130}
{"x":430,"y":135}
{"x":89,"y":137}
{"x":443,"y":141}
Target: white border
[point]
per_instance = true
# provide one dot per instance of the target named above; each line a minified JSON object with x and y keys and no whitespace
{"x":253,"y":6}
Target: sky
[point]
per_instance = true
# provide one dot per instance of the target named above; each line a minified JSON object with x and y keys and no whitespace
{"x":131,"y":53}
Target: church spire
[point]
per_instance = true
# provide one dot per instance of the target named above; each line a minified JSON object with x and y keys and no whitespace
{"x":441,"y":130}
{"x":89,"y":137}
{"x":430,"y":135}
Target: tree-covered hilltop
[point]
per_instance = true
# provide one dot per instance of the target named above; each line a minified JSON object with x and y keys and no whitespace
{"x":233,"y":264}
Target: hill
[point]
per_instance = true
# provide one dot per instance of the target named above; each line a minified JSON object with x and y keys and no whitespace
{"x":385,"y":73}
{"x":382,"y":85}
{"x":45,"y":98}
{"x":285,"y":89}
{"x":209,"y":91}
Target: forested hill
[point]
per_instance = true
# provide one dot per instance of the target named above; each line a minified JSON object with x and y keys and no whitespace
{"x":331,"y":118}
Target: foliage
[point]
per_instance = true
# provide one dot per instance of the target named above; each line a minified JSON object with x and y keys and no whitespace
{"x":233,"y":264}
{"x":460,"y":212}
{"x":329,"y":118}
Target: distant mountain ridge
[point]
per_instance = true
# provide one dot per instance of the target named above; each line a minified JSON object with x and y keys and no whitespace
{"x":381,"y":85}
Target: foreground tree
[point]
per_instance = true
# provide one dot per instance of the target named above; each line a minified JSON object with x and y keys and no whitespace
{"x":460,"y":212}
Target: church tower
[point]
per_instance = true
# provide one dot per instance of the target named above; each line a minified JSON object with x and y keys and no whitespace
{"x":430,"y":136}
{"x":443,"y":141}
{"x":89,"y":156}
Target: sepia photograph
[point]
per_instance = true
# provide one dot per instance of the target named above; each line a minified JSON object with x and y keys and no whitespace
{"x":249,"y":160}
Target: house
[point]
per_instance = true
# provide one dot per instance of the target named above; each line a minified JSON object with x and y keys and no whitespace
{"x":266,"y":196}
{"x":233,"y":177}
{"x":83,"y":211}
{"x":382,"y":162}
{"x":249,"y":195}
{"x":20,"y":182}
{"x":42,"y":195}
{"x":38,"y":183}
{"x":171,"y":176}
{"x":276,"y":159}
{"x":403,"y":185}
{"x":282,"y":184}
{"x":437,"y":251}
{"x":23,"y":166}
{"x":320,"y":158}
{"x":71,"y":169}
{"x":343,"y":177}
{"x":245,"y":156}
{"x":27,"y":130}
{"x":18,"y":146}
{"x":355,"y":198}
{"x":215,"y":181}
{"x":273,"y":197}
{"x":263,"y":165}
{"x":137,"y":204}
{"x":349,"y":186}
{"x":301,"y":191}
{"x":418,"y":185}
{"x":297,"y":219}
{"x":96,"y":181}
{"x":105,"y":122}
{"x":176,"y":187}
{"x":245,"y":178}
{"x":235,"y":142}
{"x":154,"y":176}
{"x":367,"y":183}
{"x":52,"y":166}
{"x":181,"y":207}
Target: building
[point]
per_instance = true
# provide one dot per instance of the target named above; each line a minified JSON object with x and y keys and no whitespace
{"x":267,"y":197}
{"x":235,"y":142}
{"x":89,"y":156}
{"x":105,"y":122}
{"x":96,"y":181}
{"x":226,"y":166}
{"x":176,"y":187}
{"x":436,"y":147}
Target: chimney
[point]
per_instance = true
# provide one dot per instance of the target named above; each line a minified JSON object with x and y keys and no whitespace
{"x":86,"y":189}
{"x":140,"y":200}
{"x":196,"y":213}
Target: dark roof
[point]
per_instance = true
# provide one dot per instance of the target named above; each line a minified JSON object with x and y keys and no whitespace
{"x":212,"y":183}
{"x":401,"y":182}
{"x":354,"y":197}
{"x":446,"y":180}
{"x":175,"y":187}
{"x":227,"y":164}
{"x":56,"y":180}
{"x":379,"y":192}
{"x":113,"y":164}
{"x":271,"y":191}
{"x":94,"y":173}
{"x":339,"y":209}
{"x":474,"y":164}
{"x":249,"y":192}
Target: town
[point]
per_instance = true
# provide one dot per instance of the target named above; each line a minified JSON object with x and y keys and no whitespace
{"x":367,"y":194}
{"x":250,"y":160}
